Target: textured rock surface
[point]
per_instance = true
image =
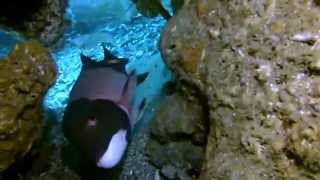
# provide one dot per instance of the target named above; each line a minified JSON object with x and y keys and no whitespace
{"x":177,"y":140}
{"x":25,"y":75}
{"x":257,"y":62}
{"x":40,"y":19}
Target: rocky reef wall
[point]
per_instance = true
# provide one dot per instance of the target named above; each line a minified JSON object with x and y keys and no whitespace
{"x":37,"y":19}
{"x":25,"y":75}
{"x":257,"y":64}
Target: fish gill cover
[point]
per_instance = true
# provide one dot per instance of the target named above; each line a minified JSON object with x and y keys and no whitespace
{"x":115,"y":24}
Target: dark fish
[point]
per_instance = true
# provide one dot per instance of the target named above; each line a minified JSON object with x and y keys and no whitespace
{"x":98,"y":118}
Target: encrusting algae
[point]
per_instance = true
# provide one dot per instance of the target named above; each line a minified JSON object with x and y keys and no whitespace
{"x":25,"y":75}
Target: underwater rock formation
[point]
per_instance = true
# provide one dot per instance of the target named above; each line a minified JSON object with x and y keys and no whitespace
{"x":25,"y":75}
{"x":39,"y":19}
{"x":177,"y":141}
{"x":257,"y":63}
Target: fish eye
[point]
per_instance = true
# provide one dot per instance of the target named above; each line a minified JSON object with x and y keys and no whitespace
{"x":92,"y":121}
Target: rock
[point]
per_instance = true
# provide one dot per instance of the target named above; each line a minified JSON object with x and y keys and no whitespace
{"x":257,"y":64}
{"x":39,"y":19}
{"x":169,"y":171}
{"x":25,"y":75}
{"x":176,"y":159}
{"x":64,"y":175}
{"x":172,"y":147}
{"x":174,"y":119}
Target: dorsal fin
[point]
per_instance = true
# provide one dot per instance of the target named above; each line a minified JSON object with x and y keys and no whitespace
{"x":107,"y":54}
{"x":117,"y":64}
{"x":85,"y":59}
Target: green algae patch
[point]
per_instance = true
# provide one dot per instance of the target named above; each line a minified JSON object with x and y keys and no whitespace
{"x":25,"y":75}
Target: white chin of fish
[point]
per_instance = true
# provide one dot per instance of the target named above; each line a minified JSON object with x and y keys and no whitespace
{"x":115,"y":151}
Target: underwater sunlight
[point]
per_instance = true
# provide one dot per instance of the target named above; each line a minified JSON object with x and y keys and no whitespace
{"x":131,"y":36}
{"x":114,"y":24}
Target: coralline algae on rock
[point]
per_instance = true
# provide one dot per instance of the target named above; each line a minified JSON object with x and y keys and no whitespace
{"x":25,"y":75}
{"x":257,"y":62}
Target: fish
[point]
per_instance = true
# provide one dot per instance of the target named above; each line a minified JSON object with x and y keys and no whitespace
{"x":99,"y":117}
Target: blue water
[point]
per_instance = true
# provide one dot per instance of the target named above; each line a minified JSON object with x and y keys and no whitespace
{"x":117,"y":25}
{"x":7,"y":41}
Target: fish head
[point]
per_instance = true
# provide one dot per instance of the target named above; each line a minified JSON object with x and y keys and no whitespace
{"x":99,"y":128}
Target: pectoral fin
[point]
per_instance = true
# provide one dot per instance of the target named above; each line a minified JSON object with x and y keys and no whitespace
{"x":127,"y":93}
{"x":142,"y":77}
